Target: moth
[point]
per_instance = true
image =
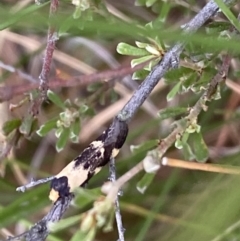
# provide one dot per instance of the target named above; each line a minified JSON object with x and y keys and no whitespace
{"x":99,"y":152}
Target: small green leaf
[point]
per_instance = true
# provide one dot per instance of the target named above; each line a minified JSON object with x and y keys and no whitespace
{"x":187,"y":152}
{"x":55,"y":99}
{"x":58,"y":131}
{"x":84,"y":197}
{"x":146,"y":146}
{"x":94,"y":87}
{"x":64,"y":223}
{"x":140,"y":60}
{"x":141,"y":45}
{"x":83,"y":108}
{"x":179,"y":143}
{"x":174,"y":91}
{"x":11,"y":125}
{"x":75,"y":128}
{"x":151,"y":64}
{"x":65,"y":26}
{"x":68,"y":103}
{"x":48,"y":126}
{"x":149,"y":3}
{"x":140,"y":2}
{"x":189,"y":81}
{"x":217,"y":27}
{"x":126,"y":49}
{"x":26,"y":125}
{"x":228,"y":13}
{"x":144,"y":183}
{"x":171,"y":112}
{"x":79,"y":235}
{"x":173,"y":76}
{"x":199,"y":147}
{"x":77,"y":13}
{"x":140,"y":74}
{"x":62,"y":140}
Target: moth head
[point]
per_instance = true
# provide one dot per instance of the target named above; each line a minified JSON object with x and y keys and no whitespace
{"x":59,"y":188}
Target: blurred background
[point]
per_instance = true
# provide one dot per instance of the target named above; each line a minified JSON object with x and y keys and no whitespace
{"x":179,"y":204}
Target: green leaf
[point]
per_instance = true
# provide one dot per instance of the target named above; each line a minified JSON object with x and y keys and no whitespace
{"x":75,"y":128}
{"x":58,"y":131}
{"x":151,"y":64}
{"x":83,"y":108}
{"x":48,"y":126}
{"x":140,"y":74}
{"x":146,"y":146}
{"x":77,"y":13}
{"x":65,"y":26}
{"x":149,"y":3}
{"x":173,"y":76}
{"x":178,"y":144}
{"x":227,"y":12}
{"x":140,"y":60}
{"x":141,"y":45}
{"x":189,"y":82}
{"x":11,"y":125}
{"x":174,"y":91}
{"x":217,"y":27}
{"x":62,"y":140}
{"x":94,"y":87}
{"x":187,"y":152}
{"x":24,"y":205}
{"x":171,"y":112}
{"x":126,"y":49}
{"x":85,"y":197}
{"x":144,"y":183}
{"x":200,"y":148}
{"x":55,"y":99}
{"x":181,"y":141}
{"x":13,"y":18}
{"x":140,"y":2}
{"x":65,"y":223}
{"x":79,"y":235}
{"x":26,"y":125}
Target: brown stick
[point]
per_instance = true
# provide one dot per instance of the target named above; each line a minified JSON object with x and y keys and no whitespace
{"x":200,"y":166}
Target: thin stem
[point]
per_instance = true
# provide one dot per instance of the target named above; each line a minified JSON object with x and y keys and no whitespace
{"x":44,"y":75}
{"x":34,"y":183}
{"x":200,"y":166}
{"x":118,"y":216}
{"x":51,"y":42}
{"x":8,"y":92}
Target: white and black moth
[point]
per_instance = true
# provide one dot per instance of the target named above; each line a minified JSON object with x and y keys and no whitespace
{"x":90,"y":161}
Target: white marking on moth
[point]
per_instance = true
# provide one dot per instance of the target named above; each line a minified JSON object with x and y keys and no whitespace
{"x":97,"y":144}
{"x":53,"y":195}
{"x":115,"y":152}
{"x":76,"y":175}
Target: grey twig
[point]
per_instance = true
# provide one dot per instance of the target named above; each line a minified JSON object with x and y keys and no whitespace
{"x":34,"y":183}
{"x":40,"y":230}
{"x":18,"y":72}
{"x":181,"y":126}
{"x":121,"y":230}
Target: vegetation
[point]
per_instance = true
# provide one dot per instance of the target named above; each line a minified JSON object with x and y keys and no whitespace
{"x":69,"y":67}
